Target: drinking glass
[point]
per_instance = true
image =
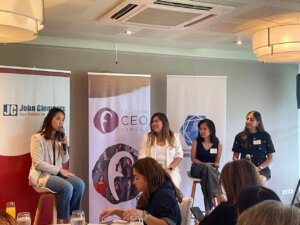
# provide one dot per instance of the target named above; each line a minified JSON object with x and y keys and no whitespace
{"x":77,"y":217}
{"x":11,"y":209}
{"x":23,"y":218}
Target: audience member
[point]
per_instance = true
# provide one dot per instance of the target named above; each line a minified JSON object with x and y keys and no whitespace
{"x":235,"y":177}
{"x":6,"y":219}
{"x":48,"y":155}
{"x":255,"y":144}
{"x":205,"y":155}
{"x":254,"y":195}
{"x":158,"y":203}
{"x":163,"y":145}
{"x":270,"y":212}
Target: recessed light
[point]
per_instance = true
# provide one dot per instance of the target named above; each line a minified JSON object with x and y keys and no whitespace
{"x":239,"y":42}
{"x":128,"y":32}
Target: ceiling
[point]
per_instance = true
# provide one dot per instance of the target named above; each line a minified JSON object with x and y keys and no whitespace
{"x":87,"y":23}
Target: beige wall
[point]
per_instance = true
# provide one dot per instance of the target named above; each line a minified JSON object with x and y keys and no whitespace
{"x":268,"y":88}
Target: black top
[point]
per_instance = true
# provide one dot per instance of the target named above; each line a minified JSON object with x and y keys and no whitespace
{"x":207,"y":156}
{"x":163,"y":204}
{"x":223,"y":214}
{"x":259,"y":144}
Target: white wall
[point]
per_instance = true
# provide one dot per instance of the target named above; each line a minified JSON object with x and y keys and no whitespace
{"x":268,"y":88}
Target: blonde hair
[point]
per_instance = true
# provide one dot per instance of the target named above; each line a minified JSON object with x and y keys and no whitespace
{"x":270,"y":212}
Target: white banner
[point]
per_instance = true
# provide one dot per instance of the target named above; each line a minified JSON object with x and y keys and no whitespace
{"x":26,"y":96}
{"x":119,"y":114}
{"x":190,"y":99}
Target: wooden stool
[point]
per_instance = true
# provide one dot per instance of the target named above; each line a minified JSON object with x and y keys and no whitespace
{"x":46,"y":203}
{"x":195,"y":182}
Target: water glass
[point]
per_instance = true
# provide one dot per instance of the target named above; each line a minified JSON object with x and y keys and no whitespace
{"x":23,"y":218}
{"x":77,"y":217}
{"x":11,"y":209}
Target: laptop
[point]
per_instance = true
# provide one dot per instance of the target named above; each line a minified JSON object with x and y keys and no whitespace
{"x":296,"y":197}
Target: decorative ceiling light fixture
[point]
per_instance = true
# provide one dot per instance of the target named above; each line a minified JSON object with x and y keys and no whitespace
{"x":277,"y":44}
{"x":20,"y":20}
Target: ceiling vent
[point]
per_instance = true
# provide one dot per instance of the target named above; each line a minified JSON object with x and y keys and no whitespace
{"x":170,"y":14}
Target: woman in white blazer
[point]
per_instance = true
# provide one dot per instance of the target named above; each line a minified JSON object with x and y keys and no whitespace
{"x":46,"y":172}
{"x":164,"y":145}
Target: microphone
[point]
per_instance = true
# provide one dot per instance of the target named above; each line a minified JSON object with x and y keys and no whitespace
{"x":62,"y":135}
{"x":248,"y":157}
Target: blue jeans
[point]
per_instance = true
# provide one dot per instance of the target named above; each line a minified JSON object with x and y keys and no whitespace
{"x":69,"y":191}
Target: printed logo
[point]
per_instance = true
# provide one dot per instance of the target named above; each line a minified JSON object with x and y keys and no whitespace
{"x":106,"y":120}
{"x":112,"y":174}
{"x":10,"y":110}
{"x":189,"y":129}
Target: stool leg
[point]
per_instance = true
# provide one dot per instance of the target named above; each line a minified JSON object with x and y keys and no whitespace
{"x":193,"y":189}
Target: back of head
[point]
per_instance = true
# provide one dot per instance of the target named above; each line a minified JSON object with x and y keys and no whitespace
{"x":270,"y":212}
{"x":254,"y":195}
{"x":237,"y":176}
{"x":6,"y":219}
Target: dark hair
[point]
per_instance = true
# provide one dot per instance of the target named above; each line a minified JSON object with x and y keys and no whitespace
{"x":244,"y":134}
{"x":47,"y":126}
{"x":155,"y":176}
{"x":6,"y":219}
{"x":166,"y":131}
{"x":237,"y":176}
{"x":211,"y":126}
{"x":254,"y":195}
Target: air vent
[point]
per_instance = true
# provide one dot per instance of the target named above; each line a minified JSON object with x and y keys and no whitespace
{"x":183,"y":5}
{"x":163,"y":14}
{"x":123,"y":11}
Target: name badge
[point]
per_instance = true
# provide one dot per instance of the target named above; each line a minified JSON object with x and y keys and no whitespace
{"x":256,"y":142}
{"x":213,"y":151}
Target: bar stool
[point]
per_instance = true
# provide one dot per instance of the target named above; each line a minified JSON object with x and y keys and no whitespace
{"x":195,"y":182}
{"x":46,"y":203}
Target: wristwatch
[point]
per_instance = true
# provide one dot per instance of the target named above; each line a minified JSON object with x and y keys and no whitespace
{"x":170,"y":168}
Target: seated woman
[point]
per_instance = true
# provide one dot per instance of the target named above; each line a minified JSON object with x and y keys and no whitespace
{"x":158,"y":203}
{"x":48,"y":155}
{"x":164,"y":145}
{"x":235,"y":177}
{"x":205,"y":155}
{"x":270,"y":212}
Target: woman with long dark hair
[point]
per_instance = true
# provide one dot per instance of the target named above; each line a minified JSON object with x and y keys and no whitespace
{"x":255,"y":144}
{"x":158,"y":203}
{"x":205,"y":155}
{"x":48,"y":156}
{"x":164,"y":145}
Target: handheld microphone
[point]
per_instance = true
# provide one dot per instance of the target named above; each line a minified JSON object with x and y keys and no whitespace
{"x":248,"y":157}
{"x":62,"y":135}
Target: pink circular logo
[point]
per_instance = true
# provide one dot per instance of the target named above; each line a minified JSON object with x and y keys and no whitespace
{"x":106,"y":120}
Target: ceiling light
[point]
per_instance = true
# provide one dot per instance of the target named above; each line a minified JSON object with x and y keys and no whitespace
{"x":277,"y":44}
{"x":128,"y":32}
{"x":20,"y":20}
{"x":239,"y":42}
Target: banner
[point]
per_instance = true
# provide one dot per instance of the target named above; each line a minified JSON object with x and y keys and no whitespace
{"x":26,"y":96}
{"x":119,"y":114}
{"x":189,"y":100}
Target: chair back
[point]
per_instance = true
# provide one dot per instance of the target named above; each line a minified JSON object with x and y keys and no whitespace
{"x":186,"y":215}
